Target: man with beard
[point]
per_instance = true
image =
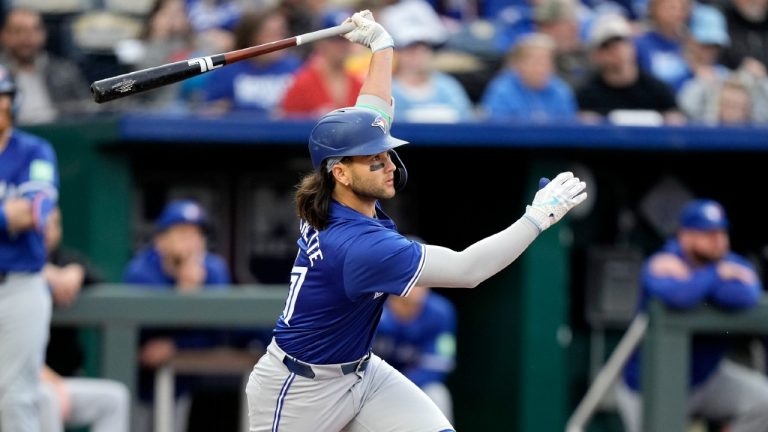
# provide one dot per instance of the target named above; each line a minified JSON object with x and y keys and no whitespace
{"x":696,"y":267}
{"x":617,"y":83}
{"x":50,"y":87}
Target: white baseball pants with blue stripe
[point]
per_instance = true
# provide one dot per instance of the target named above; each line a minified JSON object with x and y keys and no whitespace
{"x":25,"y":316}
{"x":379,"y":399}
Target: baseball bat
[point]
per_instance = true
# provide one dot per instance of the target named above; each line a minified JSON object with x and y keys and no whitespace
{"x":147,"y":79}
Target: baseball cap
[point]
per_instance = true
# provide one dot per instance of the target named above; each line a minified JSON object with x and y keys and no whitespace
{"x":708,"y":26}
{"x":414,"y":21}
{"x":547,"y":11}
{"x":608,"y":27}
{"x":704,"y":215}
{"x":181,"y":212}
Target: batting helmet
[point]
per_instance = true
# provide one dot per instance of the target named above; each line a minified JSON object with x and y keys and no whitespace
{"x":355,"y":132}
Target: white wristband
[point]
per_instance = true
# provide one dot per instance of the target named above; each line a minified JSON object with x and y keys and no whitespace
{"x":383,"y":41}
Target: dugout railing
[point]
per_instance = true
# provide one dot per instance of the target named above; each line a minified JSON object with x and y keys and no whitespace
{"x":119,"y":312}
{"x":666,"y":351}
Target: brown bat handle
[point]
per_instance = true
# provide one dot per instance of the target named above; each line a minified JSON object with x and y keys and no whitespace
{"x":245,"y":53}
{"x":254,"y":51}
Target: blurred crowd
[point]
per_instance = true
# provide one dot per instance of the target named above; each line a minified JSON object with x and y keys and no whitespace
{"x":647,"y":62}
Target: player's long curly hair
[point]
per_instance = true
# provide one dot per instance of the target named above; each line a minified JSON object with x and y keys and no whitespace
{"x":313,"y":197}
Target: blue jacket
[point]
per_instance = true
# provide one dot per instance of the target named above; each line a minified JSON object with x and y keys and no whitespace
{"x":704,"y":286}
{"x":146,"y":269}
{"x":507,"y":97}
{"x":424,"y":348}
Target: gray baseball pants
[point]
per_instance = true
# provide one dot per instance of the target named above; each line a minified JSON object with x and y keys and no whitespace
{"x":379,"y":399}
{"x":733,"y":392}
{"x":25,"y":317}
{"x":101,"y":404}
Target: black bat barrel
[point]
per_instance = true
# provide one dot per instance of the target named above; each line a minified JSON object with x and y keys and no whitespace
{"x":147,"y":79}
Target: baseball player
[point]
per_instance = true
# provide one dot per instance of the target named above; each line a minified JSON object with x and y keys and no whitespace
{"x":319,"y":373}
{"x":695,"y":266}
{"x":417,"y":336}
{"x":28,"y":193}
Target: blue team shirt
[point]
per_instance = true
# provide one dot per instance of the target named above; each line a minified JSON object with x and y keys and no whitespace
{"x":27,"y":167}
{"x":423,"y":348}
{"x":252,"y":86}
{"x":705,"y":285}
{"x":663,"y":58}
{"x":340,"y":280}
{"x":445,"y":95}
{"x":507,"y":97}
{"x":146,"y":268}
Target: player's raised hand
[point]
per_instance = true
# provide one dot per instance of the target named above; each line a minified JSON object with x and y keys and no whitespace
{"x":368,"y":32}
{"x":555,"y":199}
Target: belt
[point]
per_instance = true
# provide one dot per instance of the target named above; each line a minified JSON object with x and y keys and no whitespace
{"x":3,"y":276}
{"x":303,"y":369}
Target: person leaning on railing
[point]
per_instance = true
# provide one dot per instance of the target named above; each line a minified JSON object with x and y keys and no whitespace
{"x":696,"y":267}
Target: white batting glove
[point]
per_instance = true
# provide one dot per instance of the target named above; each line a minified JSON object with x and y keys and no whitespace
{"x":368,"y":32}
{"x":555,"y":199}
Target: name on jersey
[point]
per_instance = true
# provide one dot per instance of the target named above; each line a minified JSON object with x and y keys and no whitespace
{"x":311,"y":238}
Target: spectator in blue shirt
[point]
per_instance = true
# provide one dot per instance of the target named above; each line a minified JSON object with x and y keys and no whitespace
{"x":697,"y":267}
{"x":257,"y":84}
{"x":422,"y":92}
{"x":660,"y":50}
{"x":177,"y":260}
{"x":528,"y":89}
{"x":417,"y":336}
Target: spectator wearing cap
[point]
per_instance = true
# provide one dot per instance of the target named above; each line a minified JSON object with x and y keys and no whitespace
{"x":323,"y":83}
{"x":421,"y":91}
{"x":695,"y":267}
{"x":714,"y":94}
{"x":618,"y":84}
{"x":527,"y":89}
{"x":177,"y":260}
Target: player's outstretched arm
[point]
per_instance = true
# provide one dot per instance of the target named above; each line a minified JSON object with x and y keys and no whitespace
{"x":369,"y":33}
{"x":444,"y":267}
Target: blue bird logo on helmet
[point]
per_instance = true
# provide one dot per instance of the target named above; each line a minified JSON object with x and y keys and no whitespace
{"x":380,"y":123}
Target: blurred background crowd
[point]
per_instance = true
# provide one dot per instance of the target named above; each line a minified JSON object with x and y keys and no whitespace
{"x":643,"y":62}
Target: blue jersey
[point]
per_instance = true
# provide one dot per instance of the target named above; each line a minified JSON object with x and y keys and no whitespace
{"x":423,"y":348}
{"x":251,"y":86}
{"x":705,"y":284}
{"x":146,"y":268}
{"x":27,"y":168}
{"x":339,"y":282}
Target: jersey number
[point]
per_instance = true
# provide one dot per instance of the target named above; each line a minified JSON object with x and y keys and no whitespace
{"x":297,"y":279}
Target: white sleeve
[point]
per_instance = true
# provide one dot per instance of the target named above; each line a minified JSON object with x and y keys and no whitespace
{"x":446,"y":268}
